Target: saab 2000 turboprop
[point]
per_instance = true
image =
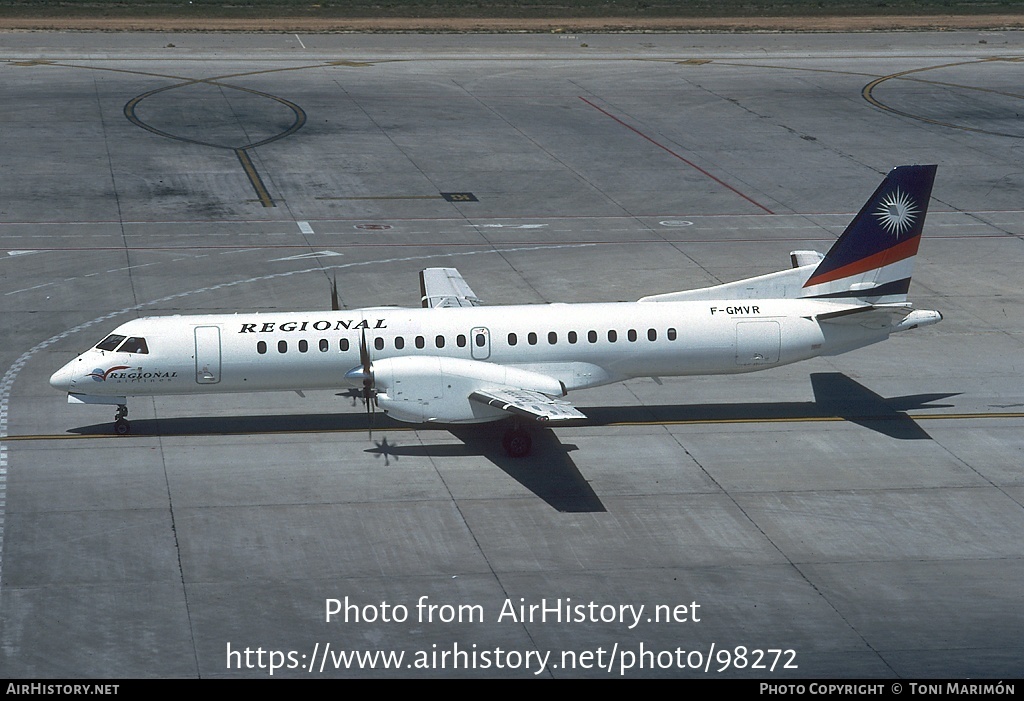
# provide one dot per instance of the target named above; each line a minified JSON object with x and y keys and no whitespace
{"x":454,"y":361}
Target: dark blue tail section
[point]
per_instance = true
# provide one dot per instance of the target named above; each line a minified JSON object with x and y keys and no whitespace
{"x":874,"y":257}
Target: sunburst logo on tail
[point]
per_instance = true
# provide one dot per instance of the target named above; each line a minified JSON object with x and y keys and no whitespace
{"x":896,"y":212}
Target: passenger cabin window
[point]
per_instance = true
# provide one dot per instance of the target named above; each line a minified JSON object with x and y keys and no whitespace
{"x":261,"y":347}
{"x":344,"y":345}
{"x":134,"y":345}
{"x":399,"y":342}
{"x":378,"y":343}
{"x":572,"y":336}
{"x":282,"y":346}
{"x":324,"y":345}
{"x":460,"y":340}
{"x":671,"y":334}
{"x":420,"y":342}
{"x":592,"y":336}
{"x":439,"y":341}
{"x":303,"y":346}
{"x":652,"y":335}
{"x":612,"y":336}
{"x":110,"y":342}
{"x":531,"y":338}
{"x":552,"y":337}
{"x":481,"y":340}
{"x":631,"y":335}
{"x":512,"y":339}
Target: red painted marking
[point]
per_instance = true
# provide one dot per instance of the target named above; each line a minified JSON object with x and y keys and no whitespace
{"x":889,"y":256}
{"x":684,"y":160}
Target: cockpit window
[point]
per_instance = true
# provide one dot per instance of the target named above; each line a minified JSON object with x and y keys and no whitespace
{"x":110,"y":342}
{"x":135,"y":344}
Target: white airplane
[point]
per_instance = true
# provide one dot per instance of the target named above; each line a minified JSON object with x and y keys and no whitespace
{"x":454,"y":361}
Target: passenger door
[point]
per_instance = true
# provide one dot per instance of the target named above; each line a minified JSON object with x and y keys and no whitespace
{"x":207,"y":355}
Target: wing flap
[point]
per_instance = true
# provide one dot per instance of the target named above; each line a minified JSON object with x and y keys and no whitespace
{"x":445,"y":287}
{"x":528,"y":403}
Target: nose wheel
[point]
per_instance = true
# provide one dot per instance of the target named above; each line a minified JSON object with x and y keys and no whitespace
{"x":121,"y":425}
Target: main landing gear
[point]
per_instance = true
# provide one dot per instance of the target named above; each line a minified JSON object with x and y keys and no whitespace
{"x":121,"y":425}
{"x":517,"y":441}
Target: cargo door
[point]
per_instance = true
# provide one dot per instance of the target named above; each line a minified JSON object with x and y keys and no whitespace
{"x":757,"y":342}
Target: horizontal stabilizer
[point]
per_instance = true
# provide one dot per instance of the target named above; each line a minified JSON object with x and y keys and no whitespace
{"x":898,"y":316}
{"x":802,"y":258}
{"x":855,"y":315}
{"x":528,"y":403}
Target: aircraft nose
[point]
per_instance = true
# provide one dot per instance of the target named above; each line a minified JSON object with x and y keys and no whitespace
{"x":61,"y":380}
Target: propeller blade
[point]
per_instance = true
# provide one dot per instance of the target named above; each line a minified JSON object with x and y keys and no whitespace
{"x":335,"y":304}
{"x":369,"y":416}
{"x":364,"y":360}
{"x":364,"y":356}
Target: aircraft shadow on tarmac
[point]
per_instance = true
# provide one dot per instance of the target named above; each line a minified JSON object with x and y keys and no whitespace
{"x":548,"y":471}
{"x":835,"y":396}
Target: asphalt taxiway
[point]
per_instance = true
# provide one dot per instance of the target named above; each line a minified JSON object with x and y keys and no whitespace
{"x":863,"y":512}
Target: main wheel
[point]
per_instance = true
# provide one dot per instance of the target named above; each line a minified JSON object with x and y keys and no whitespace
{"x":517,"y":443}
{"x":122,"y":427}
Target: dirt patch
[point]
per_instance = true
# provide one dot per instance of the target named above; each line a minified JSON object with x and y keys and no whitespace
{"x":461,"y":25}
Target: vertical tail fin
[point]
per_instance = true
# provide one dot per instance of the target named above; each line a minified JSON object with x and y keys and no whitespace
{"x":874,"y":258}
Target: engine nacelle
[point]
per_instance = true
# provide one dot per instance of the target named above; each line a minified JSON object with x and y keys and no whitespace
{"x":421,"y":389}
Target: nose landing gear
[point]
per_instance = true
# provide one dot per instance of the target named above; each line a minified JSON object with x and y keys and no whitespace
{"x":121,"y":425}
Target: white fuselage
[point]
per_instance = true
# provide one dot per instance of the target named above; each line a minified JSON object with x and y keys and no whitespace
{"x":454,"y":361}
{"x":576,"y":345}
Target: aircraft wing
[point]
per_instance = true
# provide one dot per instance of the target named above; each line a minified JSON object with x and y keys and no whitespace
{"x":528,"y":403}
{"x":445,"y":287}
